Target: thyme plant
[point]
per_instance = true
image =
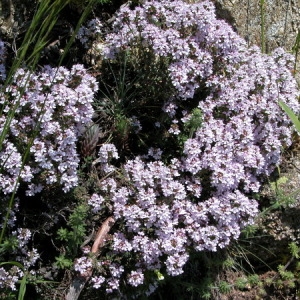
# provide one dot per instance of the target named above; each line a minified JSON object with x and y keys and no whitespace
{"x":199,"y":113}
{"x":226,"y":128}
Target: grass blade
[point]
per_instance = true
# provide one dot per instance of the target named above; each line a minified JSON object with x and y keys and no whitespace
{"x":22,"y":289}
{"x":291,"y":114}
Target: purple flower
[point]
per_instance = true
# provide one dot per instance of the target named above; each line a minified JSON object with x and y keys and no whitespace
{"x":136,"y":278}
{"x":83,"y":264}
{"x":97,"y":281}
{"x":96,"y":202}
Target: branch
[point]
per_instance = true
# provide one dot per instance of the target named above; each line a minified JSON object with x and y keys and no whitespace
{"x":80,"y":280}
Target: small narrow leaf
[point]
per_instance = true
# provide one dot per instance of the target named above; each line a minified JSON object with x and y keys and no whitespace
{"x":291,"y":114}
{"x":22,"y":289}
{"x":15,"y":263}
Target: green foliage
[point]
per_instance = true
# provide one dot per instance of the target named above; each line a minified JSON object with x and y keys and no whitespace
{"x":224,"y":287}
{"x":253,"y":279}
{"x":249,"y":231}
{"x":10,"y":244}
{"x":159,"y":275}
{"x":262,"y":25}
{"x":63,"y":234}
{"x":22,"y":288}
{"x":116,"y":100}
{"x":294,"y":249}
{"x":284,"y":278}
{"x":8,"y":295}
{"x":291,"y":114}
{"x":62,"y":262}
{"x":73,"y":236}
{"x":194,"y":122}
{"x":206,"y":295}
{"x":280,"y":198}
{"x":241,"y":283}
{"x":285,"y":275}
{"x":80,"y":5}
{"x":190,"y":126}
{"x":228,"y":263}
{"x":275,"y":185}
{"x":14,"y":263}
{"x":296,"y":48}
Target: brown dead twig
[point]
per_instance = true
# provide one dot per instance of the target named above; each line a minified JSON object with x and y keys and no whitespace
{"x":80,"y":280}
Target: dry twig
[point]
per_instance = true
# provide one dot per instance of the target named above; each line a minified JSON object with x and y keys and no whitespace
{"x":80,"y":280}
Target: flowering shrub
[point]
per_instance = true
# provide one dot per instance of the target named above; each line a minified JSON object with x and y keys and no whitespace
{"x":23,"y":253}
{"x":200,"y":127}
{"x":51,"y":109}
{"x":228,"y":130}
{"x":45,"y":113}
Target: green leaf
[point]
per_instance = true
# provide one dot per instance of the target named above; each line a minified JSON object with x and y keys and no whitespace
{"x":63,"y":234}
{"x":294,"y":249}
{"x":280,"y":181}
{"x":224,"y":287}
{"x":22,"y":289}
{"x":9,"y":245}
{"x":291,"y":114}
{"x":159,"y":275}
{"x":194,"y":122}
{"x":15,"y":263}
{"x":62,"y":262}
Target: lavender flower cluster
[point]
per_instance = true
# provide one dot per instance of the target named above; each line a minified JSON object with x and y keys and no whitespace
{"x":162,"y":220}
{"x":44,"y":113}
{"x":199,"y":199}
{"x":166,"y":203}
{"x":9,"y":277}
{"x":86,"y":34}
{"x":243,"y":127}
{"x":47,"y":111}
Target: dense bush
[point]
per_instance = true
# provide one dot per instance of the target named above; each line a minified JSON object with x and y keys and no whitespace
{"x":43,"y":116}
{"x":50,"y":110}
{"x":197,"y":114}
{"x":224,"y":119}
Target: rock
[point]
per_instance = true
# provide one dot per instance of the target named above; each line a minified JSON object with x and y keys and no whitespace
{"x":281,"y":22}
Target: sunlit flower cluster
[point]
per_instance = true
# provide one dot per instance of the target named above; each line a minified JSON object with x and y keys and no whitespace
{"x":162,"y":219}
{"x":24,"y":255}
{"x":236,"y":88}
{"x":200,"y":197}
{"x":49,"y":109}
{"x":225,"y":128}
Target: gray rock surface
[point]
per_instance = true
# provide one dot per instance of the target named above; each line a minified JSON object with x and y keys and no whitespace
{"x":281,"y":20}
